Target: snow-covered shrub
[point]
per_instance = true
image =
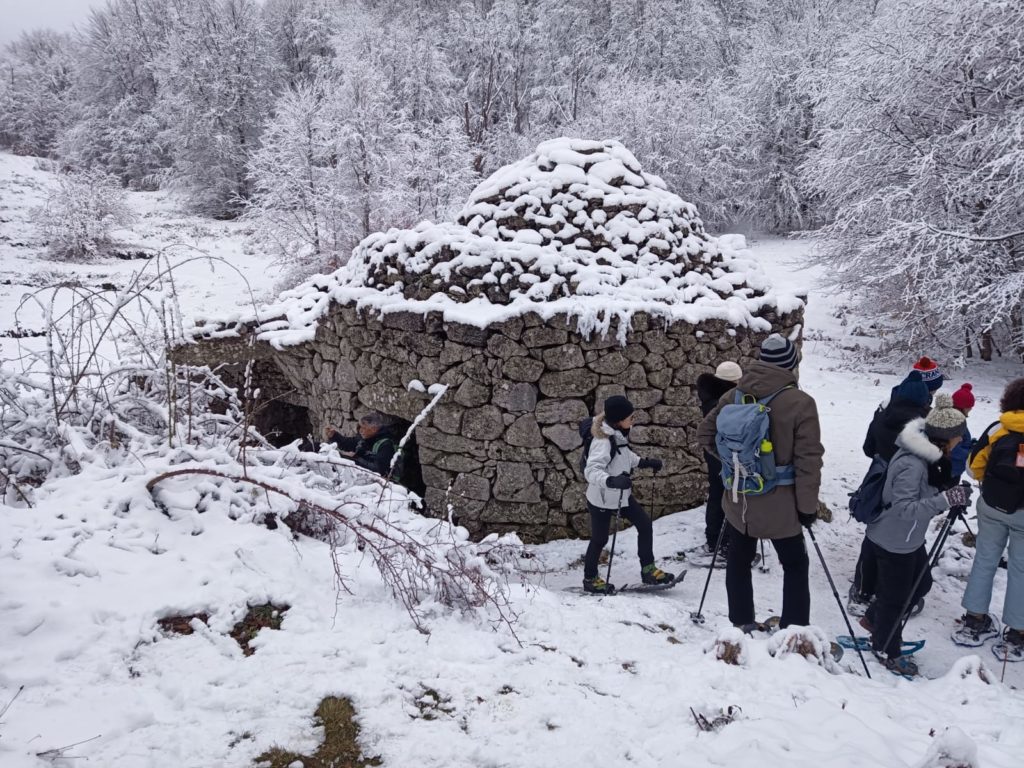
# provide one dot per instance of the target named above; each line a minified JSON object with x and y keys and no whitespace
{"x":80,"y":213}
{"x":810,"y":642}
{"x":729,"y":645}
{"x":952,"y":748}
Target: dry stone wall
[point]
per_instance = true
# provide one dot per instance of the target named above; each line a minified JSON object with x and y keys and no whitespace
{"x":502,"y":447}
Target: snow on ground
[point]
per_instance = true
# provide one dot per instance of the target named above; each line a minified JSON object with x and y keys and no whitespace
{"x":217,"y":261}
{"x":85,"y":575}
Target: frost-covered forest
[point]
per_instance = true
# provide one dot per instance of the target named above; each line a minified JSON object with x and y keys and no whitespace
{"x":890,"y":129}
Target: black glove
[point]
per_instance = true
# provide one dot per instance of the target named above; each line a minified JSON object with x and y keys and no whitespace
{"x":622,"y":482}
{"x":807,"y":520}
{"x":655,"y":464}
{"x":958,"y":495}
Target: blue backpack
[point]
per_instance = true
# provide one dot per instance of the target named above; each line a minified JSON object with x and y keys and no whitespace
{"x":745,"y":449}
{"x":866,"y":503}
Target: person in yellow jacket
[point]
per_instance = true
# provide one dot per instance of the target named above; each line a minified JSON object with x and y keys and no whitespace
{"x":998,"y":464}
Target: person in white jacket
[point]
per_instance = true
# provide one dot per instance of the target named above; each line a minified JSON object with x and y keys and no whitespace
{"x":610,"y":463}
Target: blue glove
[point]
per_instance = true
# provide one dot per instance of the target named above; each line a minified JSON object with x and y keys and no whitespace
{"x":623,"y":482}
{"x":655,"y":464}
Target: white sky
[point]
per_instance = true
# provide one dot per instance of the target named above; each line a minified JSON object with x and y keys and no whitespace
{"x":18,"y":15}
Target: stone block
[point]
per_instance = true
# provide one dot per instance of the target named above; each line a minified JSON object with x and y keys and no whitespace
{"x":611,"y":364}
{"x":515,"y":482}
{"x":498,"y":450}
{"x":504,"y":347}
{"x":654,"y":362}
{"x":563,"y":357}
{"x":524,"y":433}
{"x":392,"y":400}
{"x":467,"y":334}
{"x":455,"y":462}
{"x":483,"y":423}
{"x":605,"y":391}
{"x":515,"y":397}
{"x":658,"y":341}
{"x":544,"y":336}
{"x":436,"y":478}
{"x":345,"y":376}
{"x":561,"y":411}
{"x":573,"y":383}
{"x":522,"y":369}
{"x":435,"y":439}
{"x":472,"y":394}
{"x":635,"y":353}
{"x":676,"y":415}
{"x":660,"y":379}
{"x":512,"y":328}
{"x":662,"y":436}
{"x":448,"y":418}
{"x":634,"y":377}
{"x":471,"y":486}
{"x":404,"y":321}
{"x":644,"y":398}
{"x":597,"y":341}
{"x":564,"y":436}
{"x":453,"y":354}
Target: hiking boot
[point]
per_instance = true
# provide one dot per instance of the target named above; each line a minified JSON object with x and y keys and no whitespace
{"x":652,"y":574}
{"x":858,"y":603}
{"x":866,"y":623}
{"x":598,"y":586}
{"x":769,"y":627}
{"x":917,"y":608}
{"x":1011,"y":647}
{"x":905,"y":666}
{"x":975,"y":630}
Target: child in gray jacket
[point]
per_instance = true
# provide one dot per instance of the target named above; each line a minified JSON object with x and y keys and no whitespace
{"x":610,"y":463}
{"x":919,"y":485}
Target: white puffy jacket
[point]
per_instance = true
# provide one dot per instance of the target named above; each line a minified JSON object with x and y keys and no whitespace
{"x":601,"y":465}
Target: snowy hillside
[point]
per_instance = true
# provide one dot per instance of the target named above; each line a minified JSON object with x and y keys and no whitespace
{"x":88,"y":572}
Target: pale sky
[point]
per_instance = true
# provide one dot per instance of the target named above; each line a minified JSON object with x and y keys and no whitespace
{"x":19,"y":15}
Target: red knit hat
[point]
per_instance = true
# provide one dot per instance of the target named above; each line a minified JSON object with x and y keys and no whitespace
{"x":963,"y":398}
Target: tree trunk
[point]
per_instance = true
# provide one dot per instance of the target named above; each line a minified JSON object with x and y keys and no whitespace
{"x":986,"y":346}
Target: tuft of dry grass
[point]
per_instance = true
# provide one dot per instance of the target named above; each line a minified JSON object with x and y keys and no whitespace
{"x":265,"y":616}
{"x":340,"y":747}
{"x":181,"y":625}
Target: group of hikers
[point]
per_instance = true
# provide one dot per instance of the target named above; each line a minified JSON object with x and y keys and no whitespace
{"x":761,"y":437}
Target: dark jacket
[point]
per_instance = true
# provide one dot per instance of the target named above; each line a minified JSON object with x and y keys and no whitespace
{"x":374,"y":454}
{"x":796,"y":435}
{"x":886,"y":425}
{"x":710,"y":389}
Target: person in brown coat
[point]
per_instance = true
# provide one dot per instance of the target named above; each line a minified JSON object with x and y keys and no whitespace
{"x":778,"y":514}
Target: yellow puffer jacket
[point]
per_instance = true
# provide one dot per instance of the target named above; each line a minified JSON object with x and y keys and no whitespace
{"x":1011,"y":421}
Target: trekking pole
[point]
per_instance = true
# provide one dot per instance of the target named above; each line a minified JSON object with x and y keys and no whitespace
{"x":764,"y":567}
{"x":839,"y":602}
{"x":933,"y":559}
{"x":698,"y":617}
{"x":615,"y":533}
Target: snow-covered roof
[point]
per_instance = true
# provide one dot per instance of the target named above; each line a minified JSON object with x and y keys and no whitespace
{"x":576,"y":228}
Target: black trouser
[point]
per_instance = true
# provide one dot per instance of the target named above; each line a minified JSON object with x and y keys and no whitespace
{"x":796,"y":593}
{"x":714,"y":515}
{"x":865,"y":574}
{"x":600,"y":519}
{"x":896,"y":574}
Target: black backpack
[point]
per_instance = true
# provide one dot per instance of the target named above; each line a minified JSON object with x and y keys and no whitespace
{"x":866,"y":502}
{"x":588,"y":437}
{"x":1002,"y":486}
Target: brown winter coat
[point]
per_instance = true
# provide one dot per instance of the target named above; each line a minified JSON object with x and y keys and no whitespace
{"x":796,"y":436}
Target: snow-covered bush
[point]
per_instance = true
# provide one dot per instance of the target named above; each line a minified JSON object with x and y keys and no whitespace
{"x":80,"y":214}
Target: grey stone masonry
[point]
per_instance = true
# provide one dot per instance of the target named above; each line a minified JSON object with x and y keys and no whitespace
{"x":502,"y":446}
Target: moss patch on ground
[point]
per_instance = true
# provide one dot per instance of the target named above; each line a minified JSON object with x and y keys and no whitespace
{"x":340,"y":748}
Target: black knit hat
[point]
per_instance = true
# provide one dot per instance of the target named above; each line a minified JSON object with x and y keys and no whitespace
{"x":779,"y":351}
{"x":617,"y":408}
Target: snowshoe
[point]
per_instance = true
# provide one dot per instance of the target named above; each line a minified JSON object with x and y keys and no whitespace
{"x":703,"y":555}
{"x":1011,"y":647}
{"x":974,"y":631}
{"x":836,"y":651}
{"x":904,"y":666}
{"x":655,"y":587}
{"x":598,"y":586}
{"x":858,"y":602}
{"x":653,"y":575}
{"x":864,"y":644}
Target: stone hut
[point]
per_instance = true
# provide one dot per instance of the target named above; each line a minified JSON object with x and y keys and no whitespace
{"x":568,"y":276}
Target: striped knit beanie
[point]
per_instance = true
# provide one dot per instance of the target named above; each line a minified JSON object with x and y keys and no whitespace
{"x":779,"y":351}
{"x":930,"y":372}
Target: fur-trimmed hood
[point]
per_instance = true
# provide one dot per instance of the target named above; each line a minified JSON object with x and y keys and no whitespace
{"x":913,"y":440}
{"x":600,"y":430}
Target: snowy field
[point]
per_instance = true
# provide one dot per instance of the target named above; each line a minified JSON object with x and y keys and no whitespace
{"x":87,"y":572}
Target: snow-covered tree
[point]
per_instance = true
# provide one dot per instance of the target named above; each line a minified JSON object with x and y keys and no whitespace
{"x":35,"y":75}
{"x":217,"y":79}
{"x":922,"y":170}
